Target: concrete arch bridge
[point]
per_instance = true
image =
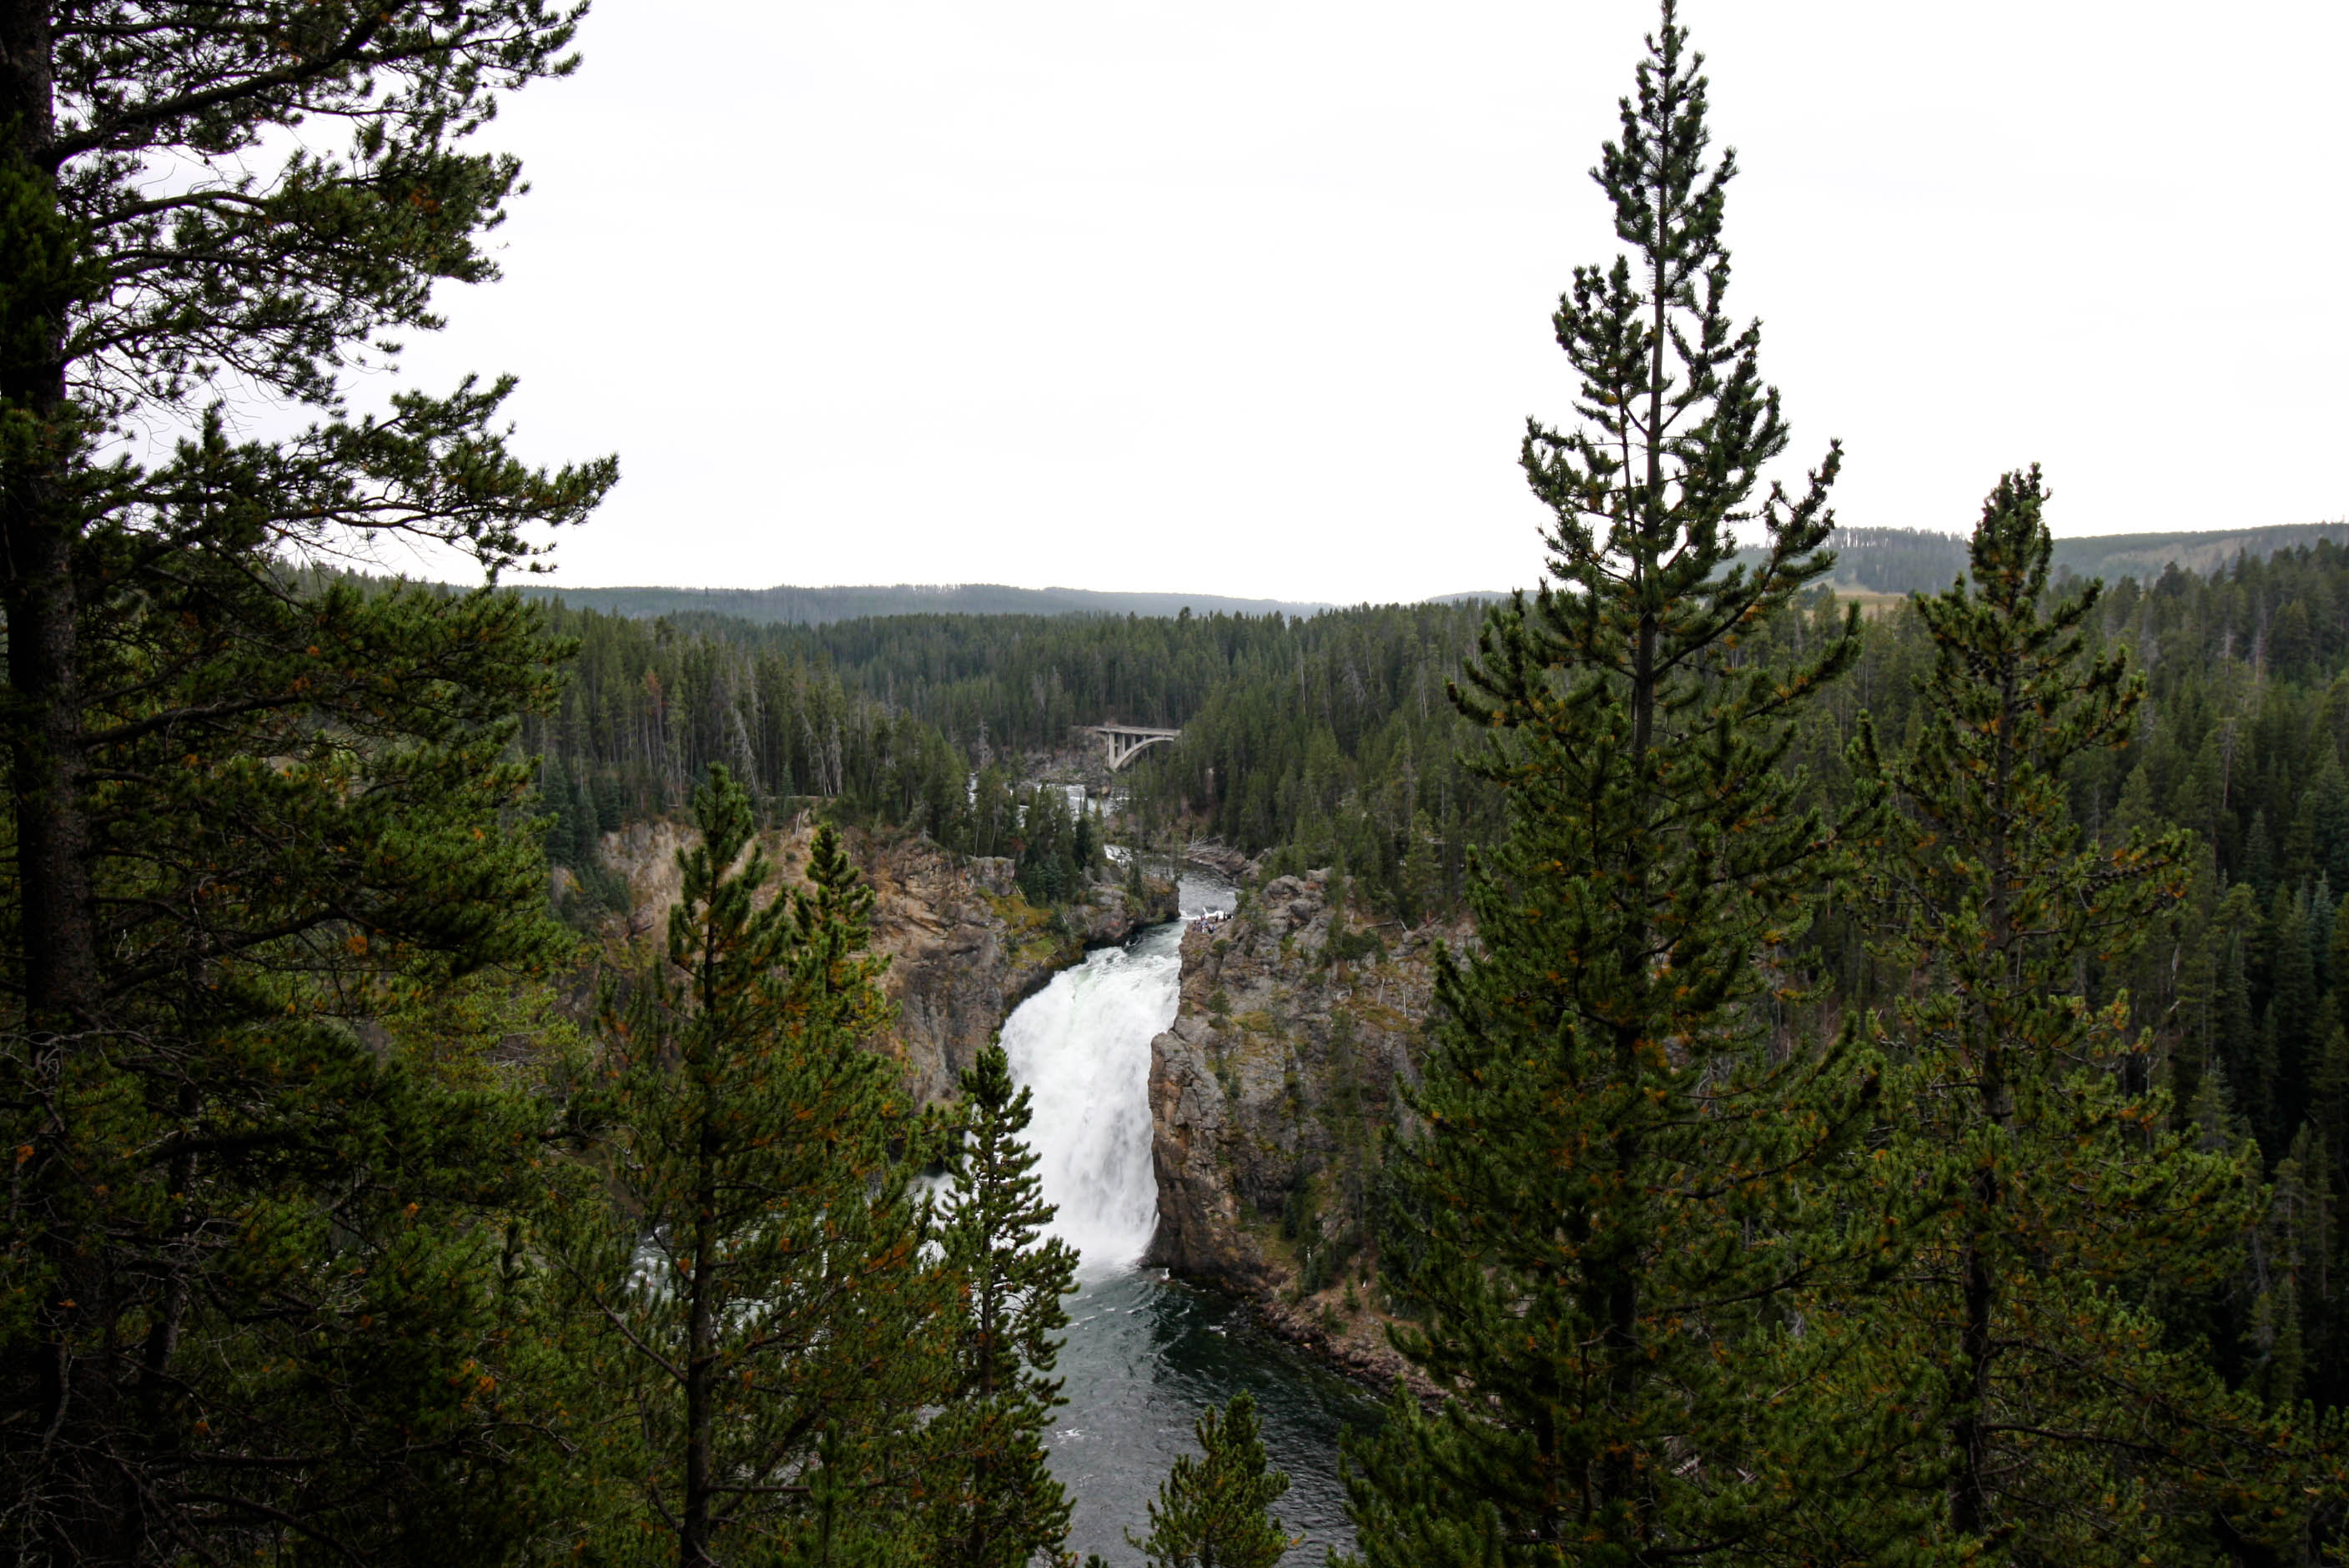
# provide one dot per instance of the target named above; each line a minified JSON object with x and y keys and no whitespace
{"x":1128,"y":741}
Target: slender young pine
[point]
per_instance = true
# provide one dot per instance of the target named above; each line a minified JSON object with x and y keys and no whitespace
{"x":1216,"y":1511}
{"x":995,"y":1503}
{"x":769,"y":1310}
{"x":1615,"y":1182}
{"x":2044,"y":1412}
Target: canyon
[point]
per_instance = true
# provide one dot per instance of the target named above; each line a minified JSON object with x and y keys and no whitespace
{"x":965,"y":947}
{"x":1272,"y":1096}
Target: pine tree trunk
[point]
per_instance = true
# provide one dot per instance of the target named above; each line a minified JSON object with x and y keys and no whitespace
{"x":1618,"y":1276}
{"x":1970,"y":1431}
{"x":46,"y":752}
{"x":700,"y":1366}
{"x":701,"y":1328}
{"x":92,"y":1503}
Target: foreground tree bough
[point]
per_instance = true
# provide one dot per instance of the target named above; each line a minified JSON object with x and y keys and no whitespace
{"x":250,"y":1298}
{"x":766,"y":1311}
{"x":994,"y":1503}
{"x":1216,"y":1511}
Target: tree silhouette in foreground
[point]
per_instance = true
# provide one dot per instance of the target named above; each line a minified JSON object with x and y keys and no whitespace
{"x":766,"y":1306}
{"x":251,"y":1263}
{"x":1618,"y":1179}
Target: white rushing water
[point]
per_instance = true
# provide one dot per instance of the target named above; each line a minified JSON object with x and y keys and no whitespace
{"x":1145,"y":1356}
{"x":1082,"y":1047}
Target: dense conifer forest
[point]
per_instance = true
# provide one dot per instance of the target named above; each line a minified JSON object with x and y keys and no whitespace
{"x":1326,"y":741}
{"x":1331,"y":741}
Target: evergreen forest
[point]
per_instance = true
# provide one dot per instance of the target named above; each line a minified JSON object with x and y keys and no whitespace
{"x":1886,"y":1098}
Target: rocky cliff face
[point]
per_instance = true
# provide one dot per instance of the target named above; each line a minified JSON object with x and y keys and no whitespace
{"x":1271,"y":1098}
{"x":964,"y":946}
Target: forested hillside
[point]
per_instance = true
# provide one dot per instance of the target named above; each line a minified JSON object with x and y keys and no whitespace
{"x":647,"y":711}
{"x":990,"y":684}
{"x":2238,"y":744}
{"x":1330,"y":739}
{"x":1922,"y":561}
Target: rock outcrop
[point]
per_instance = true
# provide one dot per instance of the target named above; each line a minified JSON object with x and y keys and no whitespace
{"x":963,"y":953}
{"x":1271,"y":1098}
{"x":964,"y":946}
{"x":1221,"y":859}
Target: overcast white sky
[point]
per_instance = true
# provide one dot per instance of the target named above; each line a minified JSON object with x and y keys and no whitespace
{"x":1252,"y":296}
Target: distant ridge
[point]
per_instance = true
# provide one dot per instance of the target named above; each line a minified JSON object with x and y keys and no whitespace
{"x":1877,"y":560}
{"x":2113,"y":556}
{"x":818,"y":606}
{"x":1913,"y":561}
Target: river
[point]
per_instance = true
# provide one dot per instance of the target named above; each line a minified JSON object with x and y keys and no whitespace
{"x":1145,"y":1354}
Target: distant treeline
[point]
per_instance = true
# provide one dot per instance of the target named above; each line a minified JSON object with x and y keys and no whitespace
{"x":1899,"y":560}
{"x":1889,"y":560}
{"x":1343,"y":751}
{"x":815,"y":606}
{"x":1331,"y":740}
{"x":990,"y":684}
{"x":651,"y":707}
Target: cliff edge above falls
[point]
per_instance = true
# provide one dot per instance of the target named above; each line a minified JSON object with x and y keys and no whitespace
{"x":965,"y":947}
{"x":1271,"y":1098}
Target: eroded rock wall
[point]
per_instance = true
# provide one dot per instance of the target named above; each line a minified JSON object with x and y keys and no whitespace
{"x":964,"y":946}
{"x":1271,"y":1100}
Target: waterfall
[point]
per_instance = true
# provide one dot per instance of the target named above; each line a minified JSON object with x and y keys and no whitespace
{"x":1082,"y":1047}
{"x":1143,"y":1356}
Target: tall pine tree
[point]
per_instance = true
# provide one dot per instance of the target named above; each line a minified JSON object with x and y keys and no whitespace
{"x":2027,"y":1400}
{"x":1609,"y":1193}
{"x":249,"y":809}
{"x":768,"y":1306}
